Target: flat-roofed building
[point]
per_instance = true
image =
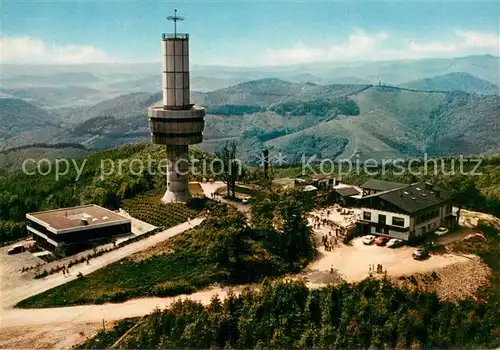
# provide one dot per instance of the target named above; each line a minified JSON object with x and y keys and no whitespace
{"x":70,"y":230}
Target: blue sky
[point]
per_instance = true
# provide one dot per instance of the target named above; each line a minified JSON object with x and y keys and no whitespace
{"x":247,"y":33}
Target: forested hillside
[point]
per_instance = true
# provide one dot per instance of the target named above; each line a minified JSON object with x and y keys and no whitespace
{"x":296,"y":119}
{"x":18,"y":116}
{"x":12,"y":160}
{"x":21,"y":193}
{"x":465,"y":123}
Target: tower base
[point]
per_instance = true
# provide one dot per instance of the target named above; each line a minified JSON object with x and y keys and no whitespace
{"x":175,"y":197}
{"x":177,"y":174}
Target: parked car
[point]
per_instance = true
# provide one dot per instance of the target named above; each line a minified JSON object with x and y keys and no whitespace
{"x":420,"y":254}
{"x":367,"y":240}
{"x":441,"y":231}
{"x":16,"y":249}
{"x":477,"y":235}
{"x":394,"y":243}
{"x":382,"y":240}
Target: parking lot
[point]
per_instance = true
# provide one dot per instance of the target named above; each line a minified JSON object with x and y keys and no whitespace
{"x":10,"y":266}
{"x":351,"y":262}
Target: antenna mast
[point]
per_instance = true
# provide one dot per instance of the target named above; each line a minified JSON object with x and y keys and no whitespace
{"x":174,"y":19}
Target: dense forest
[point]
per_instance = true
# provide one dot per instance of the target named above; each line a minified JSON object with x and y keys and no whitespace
{"x":318,"y":108}
{"x":232,"y":109}
{"x":371,"y":314}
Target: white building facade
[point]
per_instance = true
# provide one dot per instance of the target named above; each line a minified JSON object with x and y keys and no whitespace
{"x":406,"y":213}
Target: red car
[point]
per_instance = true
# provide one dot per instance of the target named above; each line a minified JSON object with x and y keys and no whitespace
{"x":477,"y":235}
{"x":381,"y":240}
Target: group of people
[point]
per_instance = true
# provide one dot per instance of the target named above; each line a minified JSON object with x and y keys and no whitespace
{"x":319,"y":221}
{"x":65,"y":270}
{"x":329,"y":241}
{"x":371,"y":269}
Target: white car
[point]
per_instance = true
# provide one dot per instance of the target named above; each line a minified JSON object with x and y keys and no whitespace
{"x":368,"y":239}
{"x":441,"y":231}
{"x":394,"y":243}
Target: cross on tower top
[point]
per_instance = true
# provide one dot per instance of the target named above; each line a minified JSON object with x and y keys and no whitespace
{"x":174,"y":19}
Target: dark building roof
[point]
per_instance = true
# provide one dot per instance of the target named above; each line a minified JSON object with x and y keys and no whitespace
{"x":416,"y":197}
{"x":381,"y":185}
{"x":322,"y":176}
{"x":347,"y":191}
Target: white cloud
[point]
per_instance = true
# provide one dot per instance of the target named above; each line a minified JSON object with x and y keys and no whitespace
{"x":32,"y":50}
{"x":80,"y":54}
{"x":464,"y":42}
{"x":358,"y":45}
{"x":361,"y":46}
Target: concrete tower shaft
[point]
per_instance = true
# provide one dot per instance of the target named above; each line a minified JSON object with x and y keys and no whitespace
{"x":176,"y":123}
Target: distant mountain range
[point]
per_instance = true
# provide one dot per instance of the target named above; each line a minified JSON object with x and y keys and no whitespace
{"x":146,"y":76}
{"x":458,"y":81}
{"x":378,"y":109}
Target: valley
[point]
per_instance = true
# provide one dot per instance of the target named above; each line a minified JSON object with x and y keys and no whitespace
{"x":336,"y":121}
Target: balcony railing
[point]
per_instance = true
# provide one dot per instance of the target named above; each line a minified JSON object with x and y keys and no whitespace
{"x":182,"y":36}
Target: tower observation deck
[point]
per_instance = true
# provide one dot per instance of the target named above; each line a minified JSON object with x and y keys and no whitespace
{"x":176,"y":123}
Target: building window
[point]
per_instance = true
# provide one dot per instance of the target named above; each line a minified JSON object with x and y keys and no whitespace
{"x":427,"y":216}
{"x":367,"y":216}
{"x":381,"y":219}
{"x":396,"y":221}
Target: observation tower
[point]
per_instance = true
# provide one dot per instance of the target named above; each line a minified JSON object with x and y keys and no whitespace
{"x":176,"y":123}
